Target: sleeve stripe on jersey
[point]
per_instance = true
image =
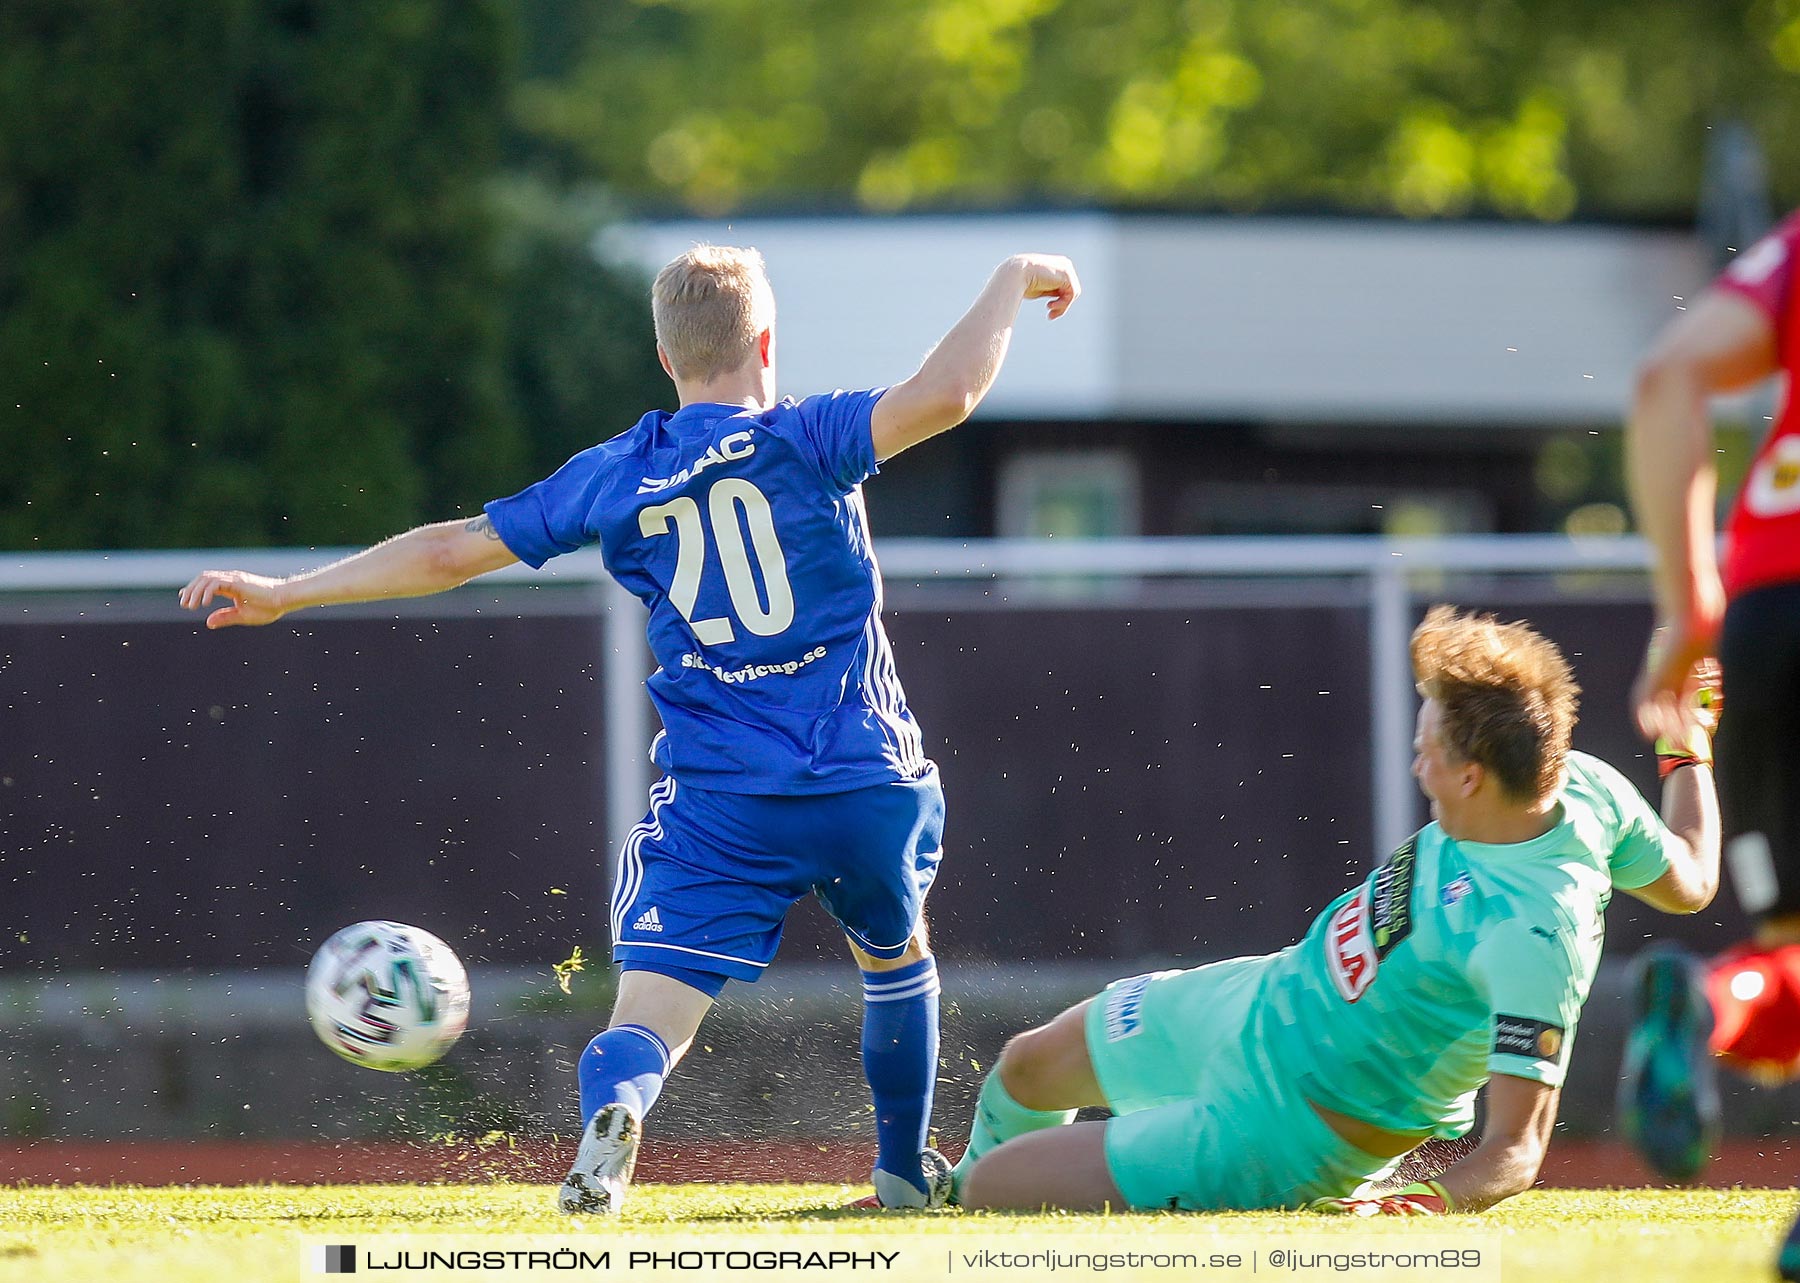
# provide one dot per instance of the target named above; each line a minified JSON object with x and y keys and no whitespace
{"x":880,"y":677}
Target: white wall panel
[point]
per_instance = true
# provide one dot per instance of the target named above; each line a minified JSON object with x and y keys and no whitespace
{"x":1222,"y":318}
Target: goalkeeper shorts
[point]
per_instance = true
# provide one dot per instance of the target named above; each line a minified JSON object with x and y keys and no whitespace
{"x":1202,"y":1121}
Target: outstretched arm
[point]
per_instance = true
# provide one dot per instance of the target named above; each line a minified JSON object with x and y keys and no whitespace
{"x":1690,"y":801}
{"x":962,"y":367}
{"x":1690,"y":807}
{"x":1725,"y":343}
{"x":420,"y":562}
{"x":1520,"y":1115}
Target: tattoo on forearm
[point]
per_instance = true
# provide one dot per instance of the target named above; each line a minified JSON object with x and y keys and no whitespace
{"x":482,"y":525}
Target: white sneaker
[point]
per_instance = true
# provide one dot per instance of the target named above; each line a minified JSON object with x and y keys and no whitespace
{"x":897,"y":1191}
{"x":603,"y":1164}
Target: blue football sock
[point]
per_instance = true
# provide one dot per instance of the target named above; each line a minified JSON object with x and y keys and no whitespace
{"x":900,"y":1055}
{"x":626,"y":1064}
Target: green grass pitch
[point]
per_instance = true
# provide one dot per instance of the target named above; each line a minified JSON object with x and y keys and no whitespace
{"x":209,"y":1235}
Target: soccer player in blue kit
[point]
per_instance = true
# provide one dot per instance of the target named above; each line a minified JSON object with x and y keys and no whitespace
{"x":791,"y":761}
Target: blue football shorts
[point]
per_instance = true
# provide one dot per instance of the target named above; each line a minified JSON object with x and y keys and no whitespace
{"x":705,"y":881}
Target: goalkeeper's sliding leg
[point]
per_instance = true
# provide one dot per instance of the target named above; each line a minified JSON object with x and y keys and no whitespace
{"x":1025,"y":1143}
{"x":1196,"y":1126}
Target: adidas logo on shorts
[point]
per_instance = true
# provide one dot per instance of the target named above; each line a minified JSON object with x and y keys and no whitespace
{"x":648,"y":922}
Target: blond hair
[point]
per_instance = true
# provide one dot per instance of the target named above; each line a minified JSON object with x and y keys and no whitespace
{"x":710,"y":305}
{"x":1506,"y":695}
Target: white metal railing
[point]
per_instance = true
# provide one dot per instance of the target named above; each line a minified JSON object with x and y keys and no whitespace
{"x":1385,"y":566}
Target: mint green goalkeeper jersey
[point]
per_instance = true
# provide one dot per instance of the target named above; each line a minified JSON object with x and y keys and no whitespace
{"x":1457,"y":960}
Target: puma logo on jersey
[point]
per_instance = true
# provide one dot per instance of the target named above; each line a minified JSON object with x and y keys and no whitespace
{"x":736,"y":445}
{"x":648,"y":921}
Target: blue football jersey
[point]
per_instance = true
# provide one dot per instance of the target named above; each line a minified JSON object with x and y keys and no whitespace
{"x":744,"y":533}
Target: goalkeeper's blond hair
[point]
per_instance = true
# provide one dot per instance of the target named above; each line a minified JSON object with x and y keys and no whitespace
{"x":709,"y":306}
{"x":1507,"y":697}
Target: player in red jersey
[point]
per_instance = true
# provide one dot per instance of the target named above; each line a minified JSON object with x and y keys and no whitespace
{"x":1744,"y":607}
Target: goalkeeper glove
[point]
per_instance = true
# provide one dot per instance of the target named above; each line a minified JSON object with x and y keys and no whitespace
{"x":1425,"y":1198}
{"x":1708,"y":703}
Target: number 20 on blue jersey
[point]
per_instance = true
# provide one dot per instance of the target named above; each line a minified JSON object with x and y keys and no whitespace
{"x":723,"y":500}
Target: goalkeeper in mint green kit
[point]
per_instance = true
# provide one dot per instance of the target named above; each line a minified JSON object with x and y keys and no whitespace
{"x":1303,"y":1077}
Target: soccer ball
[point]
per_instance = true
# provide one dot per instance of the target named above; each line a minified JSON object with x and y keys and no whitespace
{"x":387,"y":996}
{"x":940,"y":1178}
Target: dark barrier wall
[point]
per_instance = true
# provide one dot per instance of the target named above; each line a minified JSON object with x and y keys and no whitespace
{"x":1128,"y":782}
{"x":1142,"y":782}
{"x":175,"y":798}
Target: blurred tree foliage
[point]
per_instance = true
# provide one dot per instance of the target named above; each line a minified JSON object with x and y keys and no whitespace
{"x":262,"y":278}
{"x":255,"y":285}
{"x":245,"y":294}
{"x":580,"y":352}
{"x":1530,"y":108}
